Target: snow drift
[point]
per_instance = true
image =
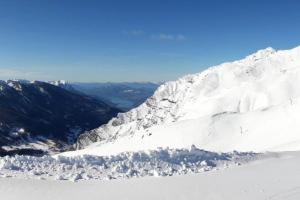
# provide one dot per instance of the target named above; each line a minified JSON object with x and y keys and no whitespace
{"x":273,"y":178}
{"x":162,"y":162}
{"x":247,"y":105}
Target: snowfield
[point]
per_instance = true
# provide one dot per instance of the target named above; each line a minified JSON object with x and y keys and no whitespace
{"x":274,"y":178}
{"x":248,"y":105}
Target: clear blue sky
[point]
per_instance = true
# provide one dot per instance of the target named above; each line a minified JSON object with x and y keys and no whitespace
{"x":142,"y":40}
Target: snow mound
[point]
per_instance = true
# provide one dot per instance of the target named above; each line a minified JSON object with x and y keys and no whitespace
{"x":246,"y":105}
{"x":160,"y":162}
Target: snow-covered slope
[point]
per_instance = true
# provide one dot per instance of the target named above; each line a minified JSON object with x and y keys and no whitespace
{"x":249,"y":105}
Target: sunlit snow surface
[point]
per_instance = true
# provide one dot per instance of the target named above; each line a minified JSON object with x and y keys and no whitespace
{"x":161,"y":162}
{"x":272,"y":178}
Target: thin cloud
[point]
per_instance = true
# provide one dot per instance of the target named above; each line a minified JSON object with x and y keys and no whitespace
{"x":180,"y":37}
{"x":160,"y":36}
{"x":168,"y":37}
{"x":18,"y":74}
{"x":166,"y":54}
{"x":133,"y":32}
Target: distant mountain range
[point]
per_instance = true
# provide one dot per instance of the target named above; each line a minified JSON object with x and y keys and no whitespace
{"x":124,"y":96}
{"x":46,"y":116}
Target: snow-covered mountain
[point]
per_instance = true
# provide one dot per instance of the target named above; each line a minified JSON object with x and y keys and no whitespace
{"x":63,"y":84}
{"x":40,"y":116}
{"x":249,"y":105}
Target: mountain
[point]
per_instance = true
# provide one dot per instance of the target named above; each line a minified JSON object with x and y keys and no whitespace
{"x":63,"y":84}
{"x":41,"y":116}
{"x":124,"y":96}
{"x":251,"y":104}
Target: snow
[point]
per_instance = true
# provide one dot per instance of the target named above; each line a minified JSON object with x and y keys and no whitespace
{"x":246,"y":105}
{"x":274,"y":129}
{"x":58,"y":82}
{"x":274,"y":178}
{"x":16,"y":132}
{"x":15,"y":84}
{"x":161,"y":162}
{"x":39,"y":142}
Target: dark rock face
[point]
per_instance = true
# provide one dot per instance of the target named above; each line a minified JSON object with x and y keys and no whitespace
{"x":38,"y":112}
{"x":29,"y":152}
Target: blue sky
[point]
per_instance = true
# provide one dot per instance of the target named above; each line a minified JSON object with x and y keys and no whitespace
{"x":143,"y":40}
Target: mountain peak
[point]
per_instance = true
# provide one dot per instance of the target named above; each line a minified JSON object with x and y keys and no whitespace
{"x":260,"y":54}
{"x":59,"y":82}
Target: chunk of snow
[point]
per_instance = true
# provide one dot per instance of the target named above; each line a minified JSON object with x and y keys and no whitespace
{"x":161,"y":162}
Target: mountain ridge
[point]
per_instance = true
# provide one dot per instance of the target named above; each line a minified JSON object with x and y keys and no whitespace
{"x":258,"y":82}
{"x":42,"y":116}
